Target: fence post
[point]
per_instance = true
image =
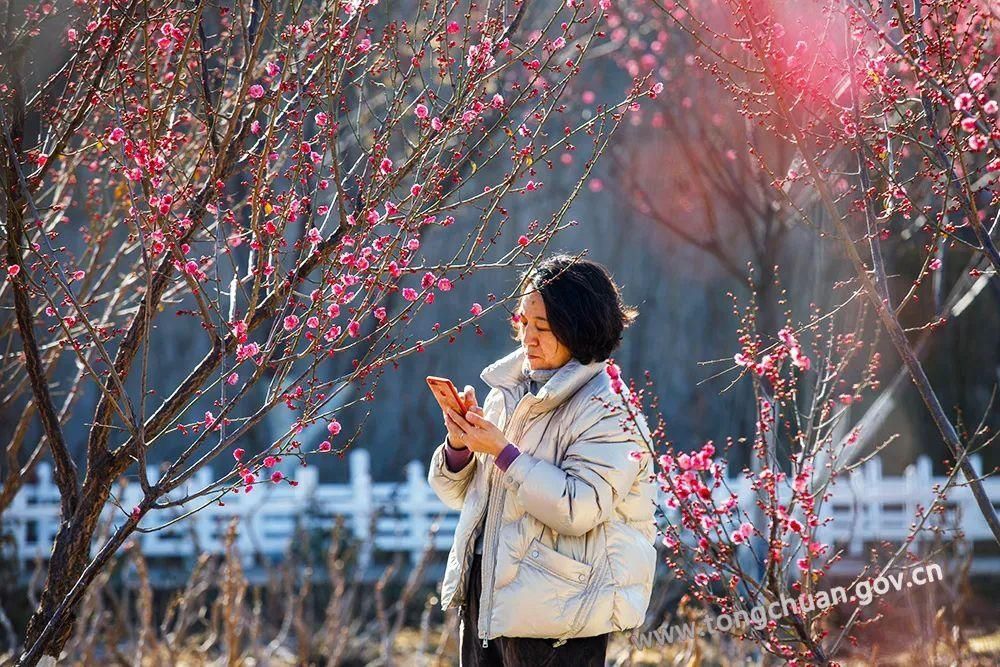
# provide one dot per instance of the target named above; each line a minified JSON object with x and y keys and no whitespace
{"x":856,"y":543}
{"x":971,"y":517}
{"x":44,"y":488}
{"x":361,"y":487}
{"x":16,"y":517}
{"x":873,"y":497}
{"x":919,"y":479}
{"x":416,"y":508}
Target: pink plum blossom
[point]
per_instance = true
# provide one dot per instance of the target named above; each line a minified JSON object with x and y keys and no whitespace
{"x":977,"y":142}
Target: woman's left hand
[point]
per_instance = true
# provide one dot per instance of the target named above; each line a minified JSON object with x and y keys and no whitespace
{"x":481,"y":435}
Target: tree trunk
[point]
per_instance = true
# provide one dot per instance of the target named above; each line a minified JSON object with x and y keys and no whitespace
{"x":69,"y":558}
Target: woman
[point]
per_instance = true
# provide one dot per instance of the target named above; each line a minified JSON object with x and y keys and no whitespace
{"x":554,"y":546}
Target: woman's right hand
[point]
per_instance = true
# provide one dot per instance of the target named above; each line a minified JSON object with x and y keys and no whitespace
{"x":456,"y":437}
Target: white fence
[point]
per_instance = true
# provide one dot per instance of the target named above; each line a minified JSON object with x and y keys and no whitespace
{"x":865,"y":507}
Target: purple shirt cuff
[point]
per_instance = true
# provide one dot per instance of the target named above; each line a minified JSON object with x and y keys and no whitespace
{"x":456,"y":459}
{"x":506,"y":456}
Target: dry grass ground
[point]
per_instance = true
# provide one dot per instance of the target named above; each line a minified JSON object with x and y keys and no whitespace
{"x":408,"y":651}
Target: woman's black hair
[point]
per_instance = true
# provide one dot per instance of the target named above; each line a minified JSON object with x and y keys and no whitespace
{"x":582,"y":303}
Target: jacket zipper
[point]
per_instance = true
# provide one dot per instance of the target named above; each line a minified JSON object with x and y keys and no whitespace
{"x":462,"y":584}
{"x":494,"y":535}
{"x":487,"y":572}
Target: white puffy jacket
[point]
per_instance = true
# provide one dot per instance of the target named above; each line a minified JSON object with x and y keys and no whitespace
{"x":568,"y":549}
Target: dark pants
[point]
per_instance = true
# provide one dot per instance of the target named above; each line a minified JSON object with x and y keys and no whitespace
{"x":520,"y":651}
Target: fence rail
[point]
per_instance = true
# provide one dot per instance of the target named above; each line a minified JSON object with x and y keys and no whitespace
{"x":864,"y":507}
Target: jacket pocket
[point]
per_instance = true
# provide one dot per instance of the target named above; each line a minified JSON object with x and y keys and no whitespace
{"x":570,"y":570}
{"x":550,"y":589}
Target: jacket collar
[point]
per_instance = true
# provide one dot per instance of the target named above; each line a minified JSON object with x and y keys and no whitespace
{"x":508,"y":372}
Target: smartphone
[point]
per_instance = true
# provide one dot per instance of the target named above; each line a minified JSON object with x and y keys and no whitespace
{"x":446,"y":394}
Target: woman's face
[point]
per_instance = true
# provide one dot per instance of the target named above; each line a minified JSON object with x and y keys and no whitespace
{"x":539,"y":343}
